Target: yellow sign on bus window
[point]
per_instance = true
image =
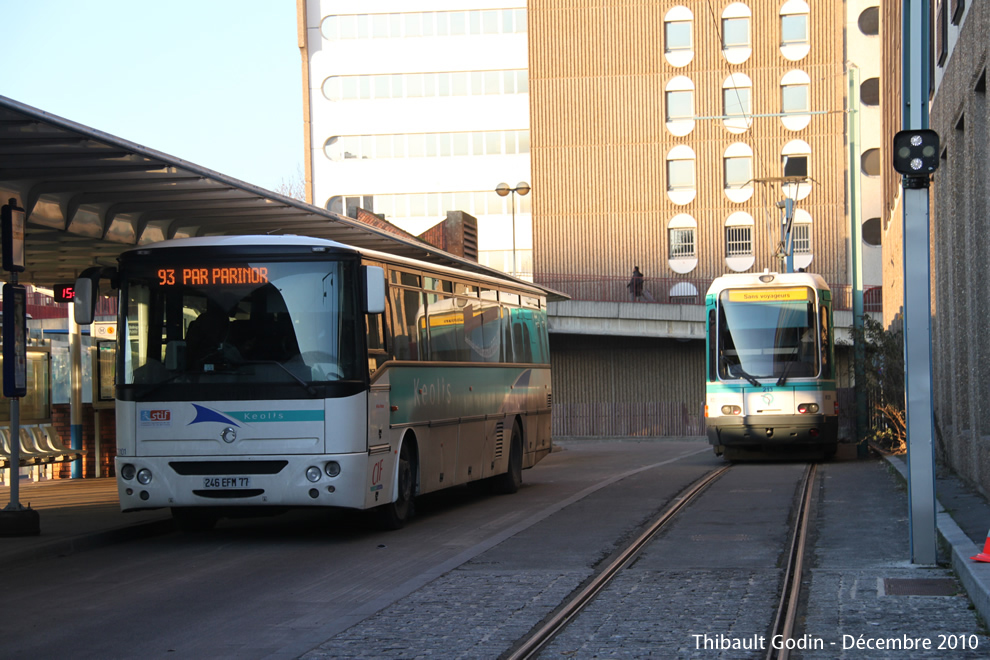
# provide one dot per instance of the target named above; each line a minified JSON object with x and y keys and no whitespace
{"x":793,"y":294}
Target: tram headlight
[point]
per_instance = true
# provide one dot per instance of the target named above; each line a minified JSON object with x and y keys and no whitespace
{"x":332,"y":468}
{"x":731,"y":410}
{"x":144,"y":476}
{"x":807,"y":408}
{"x":313,"y":473}
{"x":127,"y":471}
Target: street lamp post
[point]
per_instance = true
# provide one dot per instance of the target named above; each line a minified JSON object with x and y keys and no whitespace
{"x":503,"y":189}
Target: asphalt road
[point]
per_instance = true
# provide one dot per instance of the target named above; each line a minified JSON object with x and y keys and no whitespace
{"x":283,"y":586}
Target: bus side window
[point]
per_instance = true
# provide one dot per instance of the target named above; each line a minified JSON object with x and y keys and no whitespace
{"x":377,"y":355}
{"x":407,"y":305}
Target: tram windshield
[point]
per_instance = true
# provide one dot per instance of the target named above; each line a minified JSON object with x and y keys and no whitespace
{"x":769,"y":333}
{"x":242,"y":324}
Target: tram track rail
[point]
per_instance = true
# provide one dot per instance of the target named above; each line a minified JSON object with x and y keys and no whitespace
{"x":787,"y":610}
{"x":536,"y":641}
{"x":790,"y":593}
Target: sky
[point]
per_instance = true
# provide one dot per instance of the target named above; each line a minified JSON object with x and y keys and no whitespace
{"x":217,"y":83}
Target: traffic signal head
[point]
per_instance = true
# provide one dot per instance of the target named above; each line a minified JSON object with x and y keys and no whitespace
{"x":916,"y":152}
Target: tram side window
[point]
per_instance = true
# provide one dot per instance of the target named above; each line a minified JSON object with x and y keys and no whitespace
{"x":825,"y":336}
{"x":407,"y":306}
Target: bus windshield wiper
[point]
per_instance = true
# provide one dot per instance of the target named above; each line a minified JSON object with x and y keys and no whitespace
{"x":309,"y":388}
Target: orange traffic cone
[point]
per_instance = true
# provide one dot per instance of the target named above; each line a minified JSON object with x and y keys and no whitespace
{"x":985,"y":555}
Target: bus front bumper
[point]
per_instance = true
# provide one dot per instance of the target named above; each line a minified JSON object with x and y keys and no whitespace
{"x":772,"y":430}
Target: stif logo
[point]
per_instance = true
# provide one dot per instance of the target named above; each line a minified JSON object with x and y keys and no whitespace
{"x":156,"y":416}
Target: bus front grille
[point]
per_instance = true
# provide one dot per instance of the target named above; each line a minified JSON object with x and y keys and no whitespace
{"x":230,"y":494}
{"x":224,"y":468}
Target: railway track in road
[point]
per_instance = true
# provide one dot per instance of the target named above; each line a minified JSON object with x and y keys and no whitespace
{"x":782,"y":627}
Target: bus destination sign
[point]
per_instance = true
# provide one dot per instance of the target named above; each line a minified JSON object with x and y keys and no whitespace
{"x":218,"y":275}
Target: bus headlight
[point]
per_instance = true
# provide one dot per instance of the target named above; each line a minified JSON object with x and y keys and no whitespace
{"x":313,"y":473}
{"x":127,"y":471}
{"x":731,"y":410}
{"x":144,"y":476}
{"x":807,"y":408}
{"x":332,"y":468}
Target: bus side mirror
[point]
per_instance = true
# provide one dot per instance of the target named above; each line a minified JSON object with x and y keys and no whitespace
{"x":374,"y":289}
{"x":87,"y":289}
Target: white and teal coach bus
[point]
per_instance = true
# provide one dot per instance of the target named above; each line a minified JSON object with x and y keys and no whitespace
{"x":258,"y":373}
{"x":770,"y":386}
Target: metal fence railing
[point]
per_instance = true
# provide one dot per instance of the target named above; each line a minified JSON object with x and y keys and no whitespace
{"x":676,"y":290}
{"x":647,"y":419}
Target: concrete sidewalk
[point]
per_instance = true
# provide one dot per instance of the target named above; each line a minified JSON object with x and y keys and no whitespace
{"x":962,"y":519}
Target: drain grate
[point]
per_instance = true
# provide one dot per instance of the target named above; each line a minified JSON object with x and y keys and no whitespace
{"x":920,"y":587}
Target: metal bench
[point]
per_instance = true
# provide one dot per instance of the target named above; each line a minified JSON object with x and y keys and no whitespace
{"x":38,"y":444}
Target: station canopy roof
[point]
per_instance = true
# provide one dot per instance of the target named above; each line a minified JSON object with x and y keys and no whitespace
{"x":88,"y":196}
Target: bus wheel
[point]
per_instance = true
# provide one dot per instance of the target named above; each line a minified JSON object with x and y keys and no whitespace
{"x":508,"y":483}
{"x":193,"y":520}
{"x":395,"y":515}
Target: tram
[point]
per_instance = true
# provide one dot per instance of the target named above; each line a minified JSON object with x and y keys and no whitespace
{"x":770,"y":382}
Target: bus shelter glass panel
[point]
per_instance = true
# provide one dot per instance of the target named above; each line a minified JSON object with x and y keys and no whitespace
{"x":36,"y":404}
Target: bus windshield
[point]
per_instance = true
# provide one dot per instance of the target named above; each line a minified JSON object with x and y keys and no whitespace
{"x":768,"y":333}
{"x":251,"y":323}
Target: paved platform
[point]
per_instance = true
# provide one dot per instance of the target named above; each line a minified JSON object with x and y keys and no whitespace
{"x":76,"y":514}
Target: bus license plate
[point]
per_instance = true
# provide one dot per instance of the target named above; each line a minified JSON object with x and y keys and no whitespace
{"x":226,"y":482}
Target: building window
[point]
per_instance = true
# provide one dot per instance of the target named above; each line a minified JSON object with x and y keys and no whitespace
{"x":738,"y":171}
{"x":870,"y":162}
{"x":958,"y":6}
{"x":433,"y":205}
{"x":869,"y":92}
{"x":801,"y":238}
{"x":683,"y":293}
{"x":677,"y":36}
{"x":681,"y":241}
{"x":737,"y":106}
{"x":429,"y":145}
{"x":424,"y":24}
{"x":794,"y":98}
{"x":869,"y":21}
{"x":872,"y":235}
{"x":425,"y":85}
{"x":738,"y":241}
{"x":680,"y":105}
{"x":735,"y":33}
{"x":349,"y":205}
{"x":680,"y":174}
{"x":737,"y":44}
{"x":942,"y":32}
{"x":793,"y":29}
{"x":736,"y":103}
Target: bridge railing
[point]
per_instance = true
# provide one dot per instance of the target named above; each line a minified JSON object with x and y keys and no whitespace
{"x":676,"y":290}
